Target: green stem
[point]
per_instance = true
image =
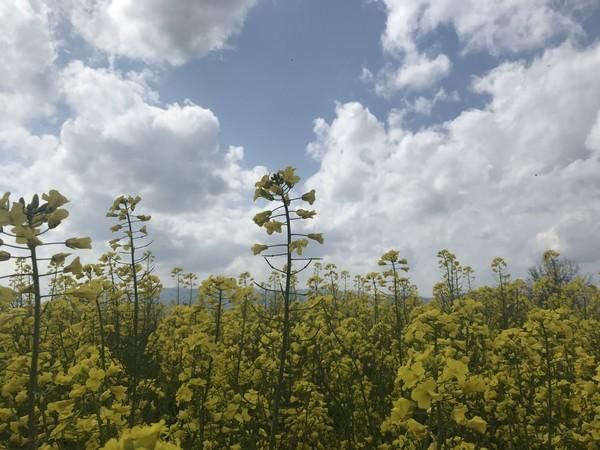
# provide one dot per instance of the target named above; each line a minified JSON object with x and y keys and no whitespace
{"x":134,"y":347}
{"x":35,"y":351}
{"x":286,"y":331}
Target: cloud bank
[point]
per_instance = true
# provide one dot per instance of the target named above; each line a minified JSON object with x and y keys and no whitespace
{"x":511,"y":179}
{"x":498,"y":27}
{"x":159,"y":31}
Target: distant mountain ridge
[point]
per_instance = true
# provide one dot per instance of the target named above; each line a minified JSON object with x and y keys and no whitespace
{"x":168,"y":296}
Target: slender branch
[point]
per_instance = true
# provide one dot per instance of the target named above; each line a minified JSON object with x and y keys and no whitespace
{"x":275,"y":209}
{"x":303,"y":267}
{"x":262,"y":316}
{"x":273,"y":267}
{"x":142,"y":259}
{"x":47,"y":274}
{"x":144,"y":246}
{"x":16,"y":275}
{"x":276,"y":216}
{"x":265,"y":288}
{"x":17,"y":247}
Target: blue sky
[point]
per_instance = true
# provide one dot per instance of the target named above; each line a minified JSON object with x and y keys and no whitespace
{"x":291,"y":63}
{"x":472,"y":126}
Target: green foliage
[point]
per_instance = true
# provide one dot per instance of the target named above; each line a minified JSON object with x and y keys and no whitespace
{"x":27,"y":221}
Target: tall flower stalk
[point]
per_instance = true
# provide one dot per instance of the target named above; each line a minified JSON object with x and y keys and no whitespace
{"x":277,"y":188}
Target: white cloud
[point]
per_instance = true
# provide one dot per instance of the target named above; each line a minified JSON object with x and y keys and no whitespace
{"x":28,"y":51}
{"x":121,"y":139}
{"x":417,"y":72}
{"x":592,"y":141}
{"x":118,"y":136}
{"x":28,"y":79}
{"x":158,"y":31}
{"x":424,"y":105}
{"x":505,"y":180}
{"x":494,"y":26}
{"x":500,"y":181}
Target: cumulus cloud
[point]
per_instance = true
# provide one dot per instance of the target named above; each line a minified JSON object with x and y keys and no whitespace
{"x":159,"y":31}
{"x":592,"y":141}
{"x":417,"y":72}
{"x":508,"y":179}
{"x":505,"y":180}
{"x":27,"y":77}
{"x":28,"y":51}
{"x":108,"y":132}
{"x":28,"y":85}
{"x":120,"y":138}
{"x":497,"y":27}
{"x":424,"y":105}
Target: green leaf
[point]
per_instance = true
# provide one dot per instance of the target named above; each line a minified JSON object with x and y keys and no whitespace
{"x":4,"y":256}
{"x":259,"y":248}
{"x":115,"y":228}
{"x":56,"y":217}
{"x":79,"y":243}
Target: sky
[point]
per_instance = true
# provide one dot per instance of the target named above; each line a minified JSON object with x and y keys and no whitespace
{"x":472,"y":125}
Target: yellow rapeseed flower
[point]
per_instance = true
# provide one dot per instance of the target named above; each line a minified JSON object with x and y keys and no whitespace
{"x":425,"y":393}
{"x":416,"y":428}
